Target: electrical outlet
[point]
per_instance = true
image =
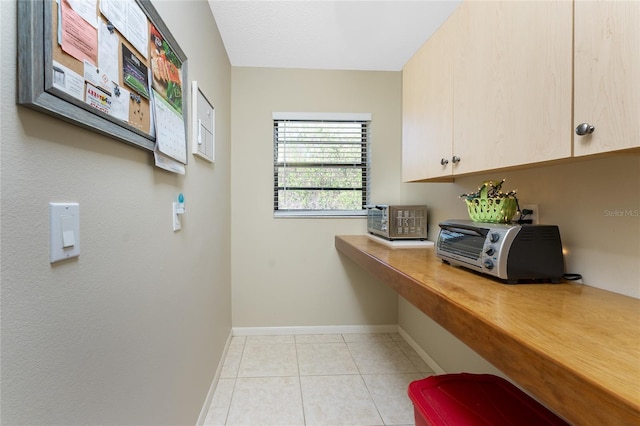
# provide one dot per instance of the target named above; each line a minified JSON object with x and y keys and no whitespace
{"x":535,"y":216}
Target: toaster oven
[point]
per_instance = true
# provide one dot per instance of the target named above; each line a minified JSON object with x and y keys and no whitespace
{"x":513,"y":253}
{"x":397,"y":222}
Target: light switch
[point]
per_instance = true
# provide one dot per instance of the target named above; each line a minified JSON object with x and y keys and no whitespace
{"x":64,"y":231}
{"x":68,"y":235}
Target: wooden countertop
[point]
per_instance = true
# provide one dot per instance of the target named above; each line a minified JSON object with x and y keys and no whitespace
{"x":576,"y":348}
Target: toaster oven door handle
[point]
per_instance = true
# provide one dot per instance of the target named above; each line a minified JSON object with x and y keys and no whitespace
{"x":461,"y":229}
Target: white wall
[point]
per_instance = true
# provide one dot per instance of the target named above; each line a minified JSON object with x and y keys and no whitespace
{"x":286,"y":272}
{"x":132,"y":330}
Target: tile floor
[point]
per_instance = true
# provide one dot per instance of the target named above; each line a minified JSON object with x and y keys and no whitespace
{"x":337,"y":379}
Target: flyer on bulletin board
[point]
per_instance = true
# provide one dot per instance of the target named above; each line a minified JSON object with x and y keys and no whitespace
{"x":166,"y":70}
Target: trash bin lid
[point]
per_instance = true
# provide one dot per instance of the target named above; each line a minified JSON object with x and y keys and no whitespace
{"x":466,"y":399}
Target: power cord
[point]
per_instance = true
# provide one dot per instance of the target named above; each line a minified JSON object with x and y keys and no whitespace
{"x":572,"y":277}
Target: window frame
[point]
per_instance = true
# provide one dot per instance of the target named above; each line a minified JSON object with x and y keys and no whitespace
{"x":364,"y":118}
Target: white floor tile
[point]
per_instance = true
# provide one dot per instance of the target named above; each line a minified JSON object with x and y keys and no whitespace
{"x":268,"y":360}
{"x":319,"y":338}
{"x":220,"y":403}
{"x":389,"y":392}
{"x":380,"y":358}
{"x":396,"y":337}
{"x":339,"y":379}
{"x":266,"y":401}
{"x":238,"y":340}
{"x":325,"y":359}
{"x":338,"y":400}
{"x":232,"y":362}
{"x":415,"y":359}
{"x":272,"y":340}
{"x":367,"y":337}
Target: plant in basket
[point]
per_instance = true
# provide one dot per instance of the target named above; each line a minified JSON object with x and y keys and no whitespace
{"x":491,"y":204}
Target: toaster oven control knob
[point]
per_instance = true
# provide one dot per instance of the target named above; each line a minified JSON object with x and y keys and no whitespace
{"x":488,"y":263}
{"x":490,"y":251}
{"x":494,"y":237}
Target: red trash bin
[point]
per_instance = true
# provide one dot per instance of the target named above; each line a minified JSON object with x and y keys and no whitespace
{"x":466,"y":399}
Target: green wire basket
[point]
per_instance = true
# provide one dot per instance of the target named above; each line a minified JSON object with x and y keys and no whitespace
{"x":491,"y":209}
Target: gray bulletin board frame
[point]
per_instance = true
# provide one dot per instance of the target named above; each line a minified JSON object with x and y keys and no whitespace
{"x":35,"y":75}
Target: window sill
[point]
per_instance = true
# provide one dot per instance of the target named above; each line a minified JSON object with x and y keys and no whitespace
{"x":316,"y":214}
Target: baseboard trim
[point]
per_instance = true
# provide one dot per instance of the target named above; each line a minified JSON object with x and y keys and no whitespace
{"x":425,"y":356}
{"x":212,"y":389}
{"x":323,"y":329}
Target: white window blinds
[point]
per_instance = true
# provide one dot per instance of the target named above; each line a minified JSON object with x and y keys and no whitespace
{"x":321,"y":165}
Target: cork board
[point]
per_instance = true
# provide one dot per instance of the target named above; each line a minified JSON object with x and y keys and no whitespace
{"x":90,"y":63}
{"x":139,"y":112}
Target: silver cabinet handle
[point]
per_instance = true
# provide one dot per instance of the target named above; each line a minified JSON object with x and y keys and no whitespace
{"x":444,"y":161}
{"x":455,"y":159}
{"x":584,"y":129}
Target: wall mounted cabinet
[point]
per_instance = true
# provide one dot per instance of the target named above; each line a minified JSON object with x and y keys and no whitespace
{"x":427,"y":108}
{"x":607,"y":75}
{"x":512,"y":84}
{"x":513,"y":89}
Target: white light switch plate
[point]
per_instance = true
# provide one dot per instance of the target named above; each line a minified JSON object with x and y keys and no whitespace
{"x":64,"y":231}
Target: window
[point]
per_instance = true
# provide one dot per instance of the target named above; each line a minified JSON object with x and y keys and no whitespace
{"x":321,"y":164}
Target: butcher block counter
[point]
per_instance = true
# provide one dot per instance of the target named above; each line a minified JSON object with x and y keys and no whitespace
{"x":575,"y":348}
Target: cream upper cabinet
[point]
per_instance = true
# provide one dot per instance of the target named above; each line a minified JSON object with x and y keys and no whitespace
{"x":512,"y":83}
{"x":427,"y":109}
{"x":607,"y":76}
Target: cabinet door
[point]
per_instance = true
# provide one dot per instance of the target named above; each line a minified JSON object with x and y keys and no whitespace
{"x":512,"y":83}
{"x":427,"y":114}
{"x":607,"y":75}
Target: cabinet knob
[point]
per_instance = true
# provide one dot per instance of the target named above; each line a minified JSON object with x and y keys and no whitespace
{"x":584,"y":129}
{"x":455,"y":159}
{"x":444,"y":161}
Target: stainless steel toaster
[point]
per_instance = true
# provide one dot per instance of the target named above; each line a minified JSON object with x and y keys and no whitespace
{"x":397,"y":222}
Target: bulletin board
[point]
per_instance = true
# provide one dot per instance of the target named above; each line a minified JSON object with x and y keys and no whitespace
{"x":110,"y":66}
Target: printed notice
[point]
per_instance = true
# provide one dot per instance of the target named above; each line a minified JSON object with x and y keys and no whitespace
{"x":170,"y":133}
{"x":130,"y":20}
{"x":86,"y":9}
{"x":135,"y":73}
{"x":96,"y":77}
{"x":120,"y":102}
{"x":166,"y":70}
{"x":108,"y":44}
{"x":68,"y":81}
{"x":79,"y":38}
{"x":98,"y":99}
{"x":137,"y":28}
{"x":115,"y":12}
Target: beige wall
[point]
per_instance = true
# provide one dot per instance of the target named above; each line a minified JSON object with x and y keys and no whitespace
{"x":580,"y":198}
{"x":131,"y":331}
{"x":286,"y":272}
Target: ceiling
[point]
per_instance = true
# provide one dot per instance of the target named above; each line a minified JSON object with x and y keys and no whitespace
{"x":322,"y":34}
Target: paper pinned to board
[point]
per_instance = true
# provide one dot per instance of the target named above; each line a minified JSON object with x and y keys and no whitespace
{"x":68,"y":81}
{"x":130,"y":20}
{"x":79,"y":38}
